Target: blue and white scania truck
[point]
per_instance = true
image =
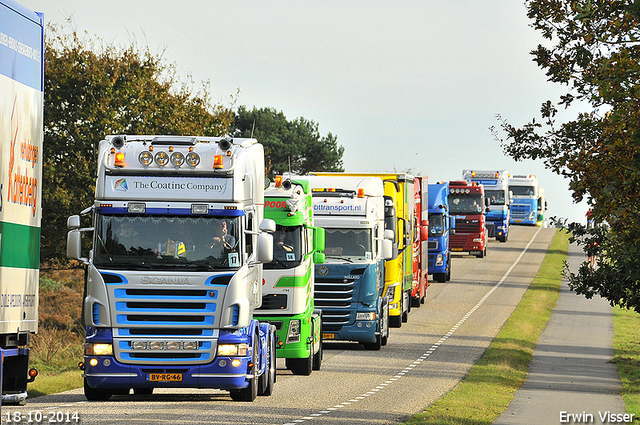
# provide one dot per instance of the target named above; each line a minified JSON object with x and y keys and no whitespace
{"x":175,"y":271}
{"x":21,"y":138}
{"x":496,"y":190}
{"x":529,"y":204}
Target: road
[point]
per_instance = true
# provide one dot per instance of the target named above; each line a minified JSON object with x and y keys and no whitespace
{"x":423,"y":360}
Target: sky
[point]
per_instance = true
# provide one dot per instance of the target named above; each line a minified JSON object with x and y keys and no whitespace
{"x":404,"y":85}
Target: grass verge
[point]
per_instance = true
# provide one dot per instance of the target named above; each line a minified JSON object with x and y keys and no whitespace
{"x":626,"y":325}
{"x":55,"y":383}
{"x":490,"y":385}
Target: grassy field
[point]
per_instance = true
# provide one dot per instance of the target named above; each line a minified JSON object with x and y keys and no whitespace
{"x":626,"y":325}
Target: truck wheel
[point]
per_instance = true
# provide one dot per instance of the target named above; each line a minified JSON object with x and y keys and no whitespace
{"x":395,"y":321}
{"x":269,"y":376}
{"x":301,"y":366}
{"x":251,"y":392}
{"x":317,"y":357}
{"x":96,"y":394}
{"x":385,"y":328}
{"x":375,"y":346}
{"x":416,"y":301}
{"x":405,"y":313}
{"x":440,"y":277}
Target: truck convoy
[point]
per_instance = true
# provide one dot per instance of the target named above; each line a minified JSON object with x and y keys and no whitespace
{"x":441,"y":226}
{"x":349,"y":286}
{"x":21,"y":136}
{"x":528,"y":201}
{"x":175,"y":271}
{"x":420,"y":241}
{"x":287,"y":293}
{"x":496,"y":190}
{"x":467,"y":204}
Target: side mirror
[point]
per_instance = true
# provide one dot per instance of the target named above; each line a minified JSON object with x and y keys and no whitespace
{"x":73,"y":222}
{"x":388,"y":234}
{"x":264,"y":247}
{"x":268,"y":225}
{"x":318,"y":240}
{"x":318,"y":258}
{"x":387,"y":249}
{"x":74,"y":244}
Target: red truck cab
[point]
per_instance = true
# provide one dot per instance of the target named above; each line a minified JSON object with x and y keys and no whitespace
{"x":467,"y":204}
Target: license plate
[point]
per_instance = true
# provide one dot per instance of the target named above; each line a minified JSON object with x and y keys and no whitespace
{"x":165,"y":377}
{"x":456,"y":249}
{"x":328,"y":336}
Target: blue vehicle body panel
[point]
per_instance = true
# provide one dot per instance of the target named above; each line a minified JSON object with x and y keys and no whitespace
{"x":524,"y":211}
{"x":341,"y":291}
{"x":219,"y":373}
{"x":439,"y":245}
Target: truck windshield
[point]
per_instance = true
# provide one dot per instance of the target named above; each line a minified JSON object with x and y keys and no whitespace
{"x":148,"y":242}
{"x":287,"y":247}
{"x":522,"y":190}
{"x":350,"y":244}
{"x":467,"y":204}
{"x":436,"y":225}
{"x":495,"y":196}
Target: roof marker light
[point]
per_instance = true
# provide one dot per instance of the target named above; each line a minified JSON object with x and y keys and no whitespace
{"x":278,"y":181}
{"x":119,"y":161}
{"x":217,"y":161}
{"x":361,"y":193}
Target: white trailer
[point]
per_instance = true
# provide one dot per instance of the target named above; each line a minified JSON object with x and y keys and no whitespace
{"x":21,"y":136}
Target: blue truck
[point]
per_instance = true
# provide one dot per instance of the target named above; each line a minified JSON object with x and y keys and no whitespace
{"x":496,"y":190}
{"x":440,"y":227}
{"x":349,"y":285}
{"x":528,"y":203}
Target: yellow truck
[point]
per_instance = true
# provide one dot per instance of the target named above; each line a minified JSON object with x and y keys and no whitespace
{"x":398,"y":194}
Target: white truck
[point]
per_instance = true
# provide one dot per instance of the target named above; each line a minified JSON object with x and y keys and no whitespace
{"x":349,"y":286}
{"x":21,"y":136}
{"x":175,"y":271}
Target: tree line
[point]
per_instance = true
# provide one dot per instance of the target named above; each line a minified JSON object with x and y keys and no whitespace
{"x":93,"y":89}
{"x":594,"y":51}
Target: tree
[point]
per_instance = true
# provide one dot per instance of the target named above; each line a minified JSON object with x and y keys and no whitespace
{"x":596,"y":55}
{"x":294,"y":146}
{"x":93,"y":90}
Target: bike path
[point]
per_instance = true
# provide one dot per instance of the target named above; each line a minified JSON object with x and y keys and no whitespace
{"x":571,"y":379}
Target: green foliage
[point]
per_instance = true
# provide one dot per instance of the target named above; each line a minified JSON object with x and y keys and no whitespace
{"x":93,"y":90}
{"x":595,"y":52}
{"x":294,"y":146}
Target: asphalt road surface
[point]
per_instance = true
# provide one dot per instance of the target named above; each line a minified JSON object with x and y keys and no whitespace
{"x":423,"y":360}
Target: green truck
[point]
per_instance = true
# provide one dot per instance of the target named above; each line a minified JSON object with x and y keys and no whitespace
{"x":287,"y":293}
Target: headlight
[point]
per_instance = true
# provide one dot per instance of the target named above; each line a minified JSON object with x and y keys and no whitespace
{"x":439,"y":260}
{"x":391,"y":291}
{"x":98,"y":349}
{"x":293,"y":335}
{"x":366,"y":316}
{"x":233,"y":350}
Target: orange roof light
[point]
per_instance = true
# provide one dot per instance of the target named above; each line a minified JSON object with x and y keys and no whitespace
{"x":119,"y":162}
{"x":278,"y":181}
{"x":361,"y":193}
{"x":217,"y":161}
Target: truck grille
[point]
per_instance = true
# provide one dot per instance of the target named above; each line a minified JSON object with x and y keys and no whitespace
{"x":520,"y":212}
{"x":274,"y":302}
{"x":432,"y":245}
{"x":335,"y":298}
{"x":468,"y":226}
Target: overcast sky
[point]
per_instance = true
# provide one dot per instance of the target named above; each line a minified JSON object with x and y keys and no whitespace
{"x":404,"y":85}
